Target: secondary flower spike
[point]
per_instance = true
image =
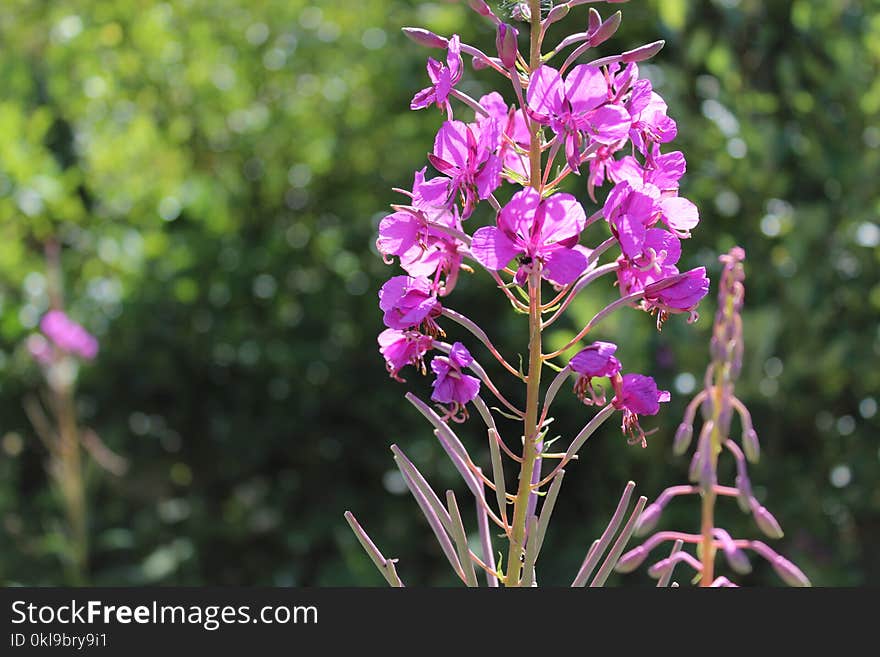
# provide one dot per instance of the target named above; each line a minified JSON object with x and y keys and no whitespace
{"x":538,"y":233}
{"x":596,"y":360}
{"x":452,"y":386}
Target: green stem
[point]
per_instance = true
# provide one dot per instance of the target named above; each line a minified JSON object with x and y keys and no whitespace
{"x":533,"y":382}
{"x":530,"y":425}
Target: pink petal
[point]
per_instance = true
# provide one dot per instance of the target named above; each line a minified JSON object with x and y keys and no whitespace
{"x":679,"y":214}
{"x":562,"y":266}
{"x":545,"y":93}
{"x":451,"y":144}
{"x":585,"y":88}
{"x":492,"y":248}
{"x":563,"y":218}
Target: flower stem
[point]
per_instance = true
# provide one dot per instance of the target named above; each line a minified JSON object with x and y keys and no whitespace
{"x":533,"y":382}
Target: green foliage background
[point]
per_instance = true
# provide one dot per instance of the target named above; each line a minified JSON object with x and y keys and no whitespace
{"x":216,"y":170}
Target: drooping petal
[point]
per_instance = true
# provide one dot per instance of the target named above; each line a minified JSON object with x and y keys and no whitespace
{"x":492,"y":248}
{"x":596,"y":360}
{"x":397,"y":233}
{"x":679,"y":214}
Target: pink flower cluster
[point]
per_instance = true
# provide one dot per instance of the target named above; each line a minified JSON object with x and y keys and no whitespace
{"x":604,"y":119}
{"x":65,"y":334}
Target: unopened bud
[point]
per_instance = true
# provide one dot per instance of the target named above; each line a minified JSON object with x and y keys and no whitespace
{"x":520,"y":11}
{"x":606,"y":30}
{"x":682,"y":440}
{"x":642,"y":53}
{"x":425,"y":37}
{"x":631,"y":560}
{"x":480,"y":7}
{"x":765,"y":521}
{"x":649,"y":518}
{"x":694,"y":467}
{"x":505,"y":41}
{"x":744,"y":493}
{"x":790,"y":574}
{"x":594,"y":20}
{"x":738,"y":560}
{"x":556,"y":14}
{"x":751,"y":446}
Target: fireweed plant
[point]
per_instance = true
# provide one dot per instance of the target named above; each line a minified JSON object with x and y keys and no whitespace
{"x":717,"y":403}
{"x":599,"y":121}
{"x":60,"y":347}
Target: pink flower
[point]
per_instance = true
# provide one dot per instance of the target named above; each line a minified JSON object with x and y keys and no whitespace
{"x":576,"y":107}
{"x":410,"y":303}
{"x":593,"y":361}
{"x":402,"y":348}
{"x":443,"y":79}
{"x":512,"y":131}
{"x":663,"y":170}
{"x":677,"y":294}
{"x":650,"y":125}
{"x":452,"y":386}
{"x":660,"y":251}
{"x":636,"y":394}
{"x":69,"y":336}
{"x":465,"y":153}
{"x":423,"y":249}
{"x":535,"y":231}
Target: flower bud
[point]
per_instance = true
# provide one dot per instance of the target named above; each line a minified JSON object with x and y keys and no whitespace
{"x":520,"y":11}
{"x":642,"y":53}
{"x":765,"y":521}
{"x":424,"y":37}
{"x":606,"y":30}
{"x":505,"y":41}
{"x":738,"y":560}
{"x":790,"y":574}
{"x":648,"y":519}
{"x":682,"y":440}
{"x":751,"y":446}
{"x":480,"y":7}
{"x":631,"y":560}
{"x":744,"y":494}
{"x":694,"y":467}
{"x":556,"y":14}
{"x":593,"y":21}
